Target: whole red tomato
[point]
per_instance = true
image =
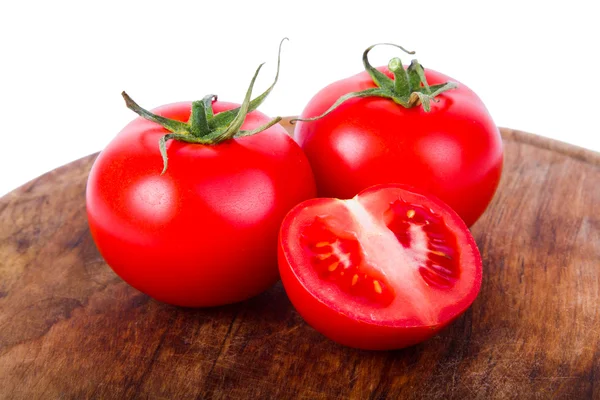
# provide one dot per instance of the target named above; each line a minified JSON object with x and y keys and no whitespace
{"x":382,"y":133}
{"x":204,"y":232}
{"x":386,"y":269}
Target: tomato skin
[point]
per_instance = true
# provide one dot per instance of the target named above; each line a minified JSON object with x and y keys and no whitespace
{"x":341,"y":328}
{"x":346,"y":329}
{"x":453,"y":152}
{"x":205,"y":232}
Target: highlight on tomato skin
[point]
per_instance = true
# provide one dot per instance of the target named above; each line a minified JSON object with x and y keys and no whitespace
{"x":386,"y":269}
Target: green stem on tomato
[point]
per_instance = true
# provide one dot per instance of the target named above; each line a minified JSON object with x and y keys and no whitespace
{"x":167,"y":123}
{"x":203,"y":126}
{"x":226,"y":117}
{"x":201,"y":113}
{"x":409,"y":88}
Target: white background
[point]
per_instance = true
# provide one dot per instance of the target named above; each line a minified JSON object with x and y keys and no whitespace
{"x":64,"y":64}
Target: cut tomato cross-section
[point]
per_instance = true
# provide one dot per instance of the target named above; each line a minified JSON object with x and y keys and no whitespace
{"x":386,"y":269}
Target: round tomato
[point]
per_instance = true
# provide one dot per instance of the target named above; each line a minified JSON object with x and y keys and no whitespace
{"x":384,"y":270}
{"x":204,"y":232}
{"x":453,"y":151}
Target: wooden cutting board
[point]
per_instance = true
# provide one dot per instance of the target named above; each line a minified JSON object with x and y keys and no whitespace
{"x":70,"y":328}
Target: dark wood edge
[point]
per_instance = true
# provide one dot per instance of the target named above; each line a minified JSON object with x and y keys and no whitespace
{"x":576,"y":152}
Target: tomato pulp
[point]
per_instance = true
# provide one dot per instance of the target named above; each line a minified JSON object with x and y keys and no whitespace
{"x":204,"y":233}
{"x":384,"y":270}
{"x":454,"y":151}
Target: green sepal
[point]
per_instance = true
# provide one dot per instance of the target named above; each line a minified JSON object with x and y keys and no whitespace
{"x":226,"y":117}
{"x":409,"y":88}
{"x":203,"y":126}
{"x":169,"y":124}
{"x":402,"y":84}
{"x":234,"y":126}
{"x":162,"y":146}
{"x":416,"y":76}
{"x":374,"y":92}
{"x":261,"y":128}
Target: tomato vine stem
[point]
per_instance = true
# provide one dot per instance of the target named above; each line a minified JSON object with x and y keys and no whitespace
{"x":203,"y":126}
{"x":409,"y":88}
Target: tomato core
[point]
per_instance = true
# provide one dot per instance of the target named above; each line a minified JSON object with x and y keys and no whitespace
{"x":368,"y":260}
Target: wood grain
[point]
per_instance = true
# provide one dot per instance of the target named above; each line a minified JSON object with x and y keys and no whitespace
{"x":70,"y":328}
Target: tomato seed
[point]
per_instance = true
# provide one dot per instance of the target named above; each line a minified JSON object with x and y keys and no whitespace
{"x":377,"y":287}
{"x":439,"y":253}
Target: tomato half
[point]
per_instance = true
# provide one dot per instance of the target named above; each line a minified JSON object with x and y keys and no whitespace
{"x":384,"y":270}
{"x":454,"y":151}
{"x":203,"y":233}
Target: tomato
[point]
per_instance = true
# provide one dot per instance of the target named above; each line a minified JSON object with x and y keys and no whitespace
{"x":384,"y":270}
{"x":205,"y":232}
{"x":454,"y":151}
